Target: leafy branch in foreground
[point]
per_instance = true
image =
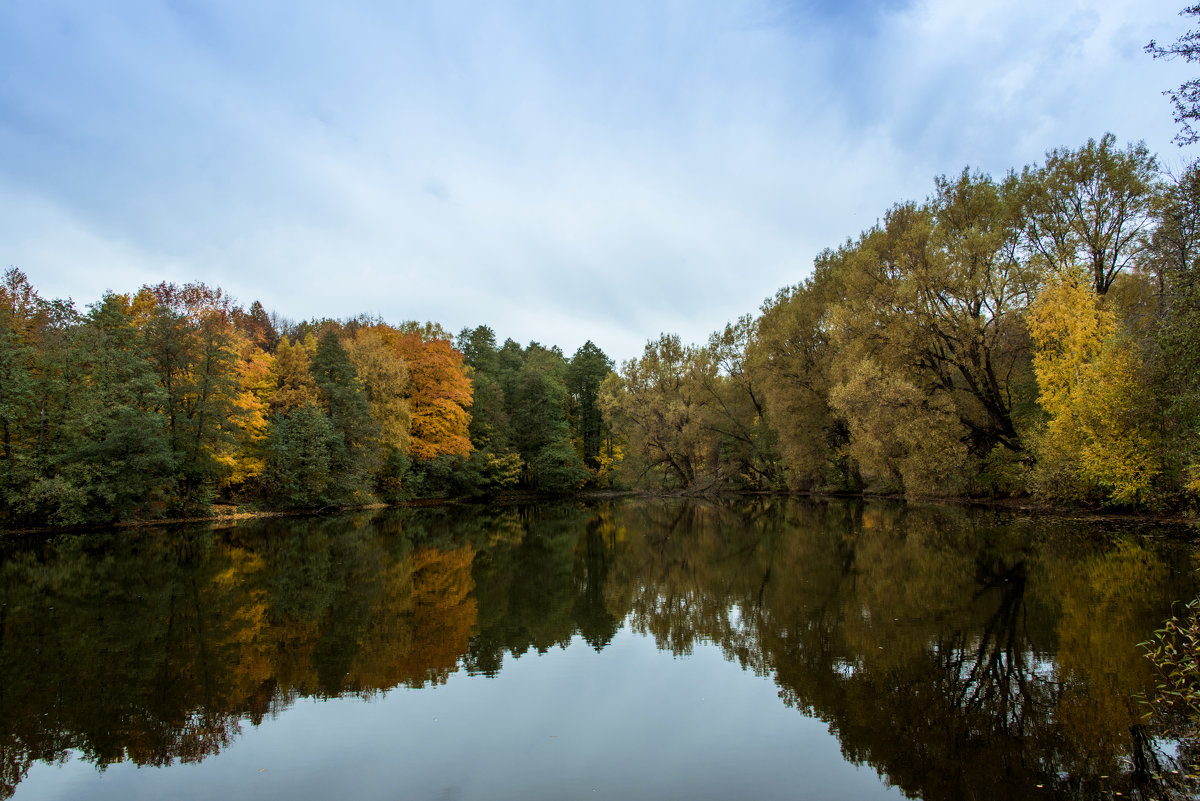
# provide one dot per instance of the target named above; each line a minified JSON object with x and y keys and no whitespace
{"x":1174,"y":650}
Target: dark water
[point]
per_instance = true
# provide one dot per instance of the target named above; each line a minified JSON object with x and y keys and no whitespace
{"x":634,"y":649}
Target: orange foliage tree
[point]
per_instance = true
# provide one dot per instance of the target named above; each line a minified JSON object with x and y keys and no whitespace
{"x":439,"y":392}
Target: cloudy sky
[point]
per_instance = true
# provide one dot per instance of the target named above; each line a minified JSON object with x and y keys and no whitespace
{"x":560,"y":170}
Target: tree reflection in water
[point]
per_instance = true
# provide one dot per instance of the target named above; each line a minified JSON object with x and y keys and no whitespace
{"x":961,"y":654}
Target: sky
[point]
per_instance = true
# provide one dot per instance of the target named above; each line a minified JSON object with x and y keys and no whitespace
{"x":559,"y":170}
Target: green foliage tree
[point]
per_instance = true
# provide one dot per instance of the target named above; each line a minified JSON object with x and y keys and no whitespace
{"x":1174,"y":352}
{"x":20,"y":310}
{"x":345,"y":402}
{"x":116,"y":458}
{"x":537,"y":407}
{"x":586,"y":371}
{"x":303,"y":449}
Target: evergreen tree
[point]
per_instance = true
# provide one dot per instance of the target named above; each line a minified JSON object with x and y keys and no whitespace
{"x":355,"y":456}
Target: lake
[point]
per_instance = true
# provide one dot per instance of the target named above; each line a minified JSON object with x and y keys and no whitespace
{"x":760,"y":648}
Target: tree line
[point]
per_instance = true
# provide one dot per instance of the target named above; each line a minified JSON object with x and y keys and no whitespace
{"x":1036,"y":334}
{"x":168,"y":400}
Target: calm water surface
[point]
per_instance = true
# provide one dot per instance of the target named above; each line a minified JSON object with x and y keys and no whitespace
{"x":767,"y":648}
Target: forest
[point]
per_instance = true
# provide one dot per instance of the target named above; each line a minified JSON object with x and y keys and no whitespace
{"x":1036,"y":335}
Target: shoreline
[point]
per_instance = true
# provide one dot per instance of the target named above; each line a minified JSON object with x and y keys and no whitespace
{"x":1026,"y":506}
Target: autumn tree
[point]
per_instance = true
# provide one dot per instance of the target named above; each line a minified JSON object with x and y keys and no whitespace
{"x":933,"y":300}
{"x":735,"y":409}
{"x":257,"y":326}
{"x":291,"y":377}
{"x":189,"y":341}
{"x":384,"y":376}
{"x":438,"y":394}
{"x":654,"y":405}
{"x":790,"y":357}
{"x":1088,"y":377}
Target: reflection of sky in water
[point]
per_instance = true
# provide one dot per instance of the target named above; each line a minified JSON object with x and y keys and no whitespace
{"x":627,"y":722}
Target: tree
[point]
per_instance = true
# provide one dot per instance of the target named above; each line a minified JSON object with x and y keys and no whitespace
{"x":1185,"y":99}
{"x":257,"y":324}
{"x":293,"y":384}
{"x":303,"y":450}
{"x":384,"y":376}
{"x":654,"y":405}
{"x":790,"y":357}
{"x":1090,"y":206}
{"x":490,"y":428}
{"x":1174,"y":258}
{"x":116,"y":457}
{"x":541,"y":432}
{"x":935,"y":295}
{"x":735,"y":410}
{"x":190,"y":341}
{"x":35,"y":382}
{"x":586,"y":371}
{"x":355,"y":455}
{"x":902,"y":437}
{"x":439,"y":392}
{"x":1088,"y":376}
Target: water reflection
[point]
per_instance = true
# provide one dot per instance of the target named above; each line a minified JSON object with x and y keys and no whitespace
{"x":959,"y":654}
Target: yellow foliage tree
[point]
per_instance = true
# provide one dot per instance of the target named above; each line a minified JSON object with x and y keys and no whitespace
{"x":254,"y":379}
{"x":384,"y":375}
{"x":293,"y":383}
{"x":1088,"y":381}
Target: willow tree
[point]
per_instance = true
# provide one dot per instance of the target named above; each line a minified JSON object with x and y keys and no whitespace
{"x":933,"y":300}
{"x":734,"y":406}
{"x":789,"y":358}
{"x":655,"y":405}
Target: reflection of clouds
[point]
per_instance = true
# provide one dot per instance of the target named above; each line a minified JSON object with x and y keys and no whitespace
{"x":969,"y":683}
{"x":450,"y":793}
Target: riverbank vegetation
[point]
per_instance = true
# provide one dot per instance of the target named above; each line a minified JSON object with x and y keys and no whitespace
{"x":1037,"y":334}
{"x":160,"y":402}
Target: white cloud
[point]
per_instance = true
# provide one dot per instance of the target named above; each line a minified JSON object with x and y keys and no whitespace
{"x":604,"y":171}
